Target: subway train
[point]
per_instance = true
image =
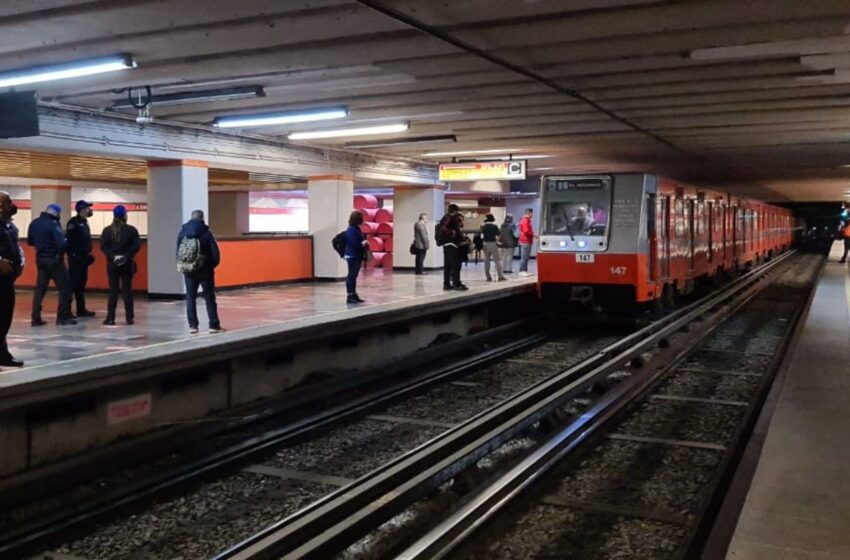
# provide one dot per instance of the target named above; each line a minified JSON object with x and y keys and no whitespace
{"x":632,"y":241}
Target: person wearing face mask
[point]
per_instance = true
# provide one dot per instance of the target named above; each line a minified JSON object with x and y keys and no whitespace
{"x":79,"y":254}
{"x":11,"y":266}
{"x":46,"y":235}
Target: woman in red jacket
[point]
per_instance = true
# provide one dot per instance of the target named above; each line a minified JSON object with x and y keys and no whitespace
{"x":526,"y":238}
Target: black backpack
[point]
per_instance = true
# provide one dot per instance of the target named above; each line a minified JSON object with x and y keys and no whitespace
{"x":338,"y":243}
{"x":442,"y":231}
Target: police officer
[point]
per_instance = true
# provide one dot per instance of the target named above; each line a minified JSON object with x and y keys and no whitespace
{"x":80,"y":254}
{"x":11,"y":267}
{"x":46,"y":235}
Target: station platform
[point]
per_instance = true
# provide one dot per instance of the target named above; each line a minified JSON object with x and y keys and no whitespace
{"x":798,"y":504}
{"x":160,"y":321}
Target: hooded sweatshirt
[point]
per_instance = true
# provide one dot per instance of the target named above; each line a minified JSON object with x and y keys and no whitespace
{"x":197,"y":229}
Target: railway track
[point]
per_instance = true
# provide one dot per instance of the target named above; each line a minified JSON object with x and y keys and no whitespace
{"x":205,"y":500}
{"x":379,"y":515}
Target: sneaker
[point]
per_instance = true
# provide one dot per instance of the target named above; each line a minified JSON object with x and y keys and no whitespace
{"x":65,"y":322}
{"x":353,"y":299}
{"x":38,"y":323}
{"x":447,"y":287}
{"x":85,"y":313}
{"x":461,"y":287}
{"x":216,"y":330}
{"x":503,"y":279}
{"x":109,"y":322}
{"x":11,"y":362}
{"x":194,"y":330}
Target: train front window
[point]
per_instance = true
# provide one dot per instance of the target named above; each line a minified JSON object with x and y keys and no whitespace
{"x":577,"y":207}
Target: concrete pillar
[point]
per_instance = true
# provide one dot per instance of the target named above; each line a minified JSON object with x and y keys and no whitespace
{"x":408,"y":203}
{"x":330,"y":199}
{"x":43,"y":195}
{"x":175,"y":188}
{"x":229,"y":213}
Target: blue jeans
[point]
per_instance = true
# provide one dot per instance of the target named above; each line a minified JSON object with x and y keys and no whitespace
{"x":524,"y":255}
{"x":353,"y":271}
{"x":205,"y":280}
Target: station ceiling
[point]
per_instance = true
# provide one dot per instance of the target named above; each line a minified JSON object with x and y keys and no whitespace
{"x":750,"y":96}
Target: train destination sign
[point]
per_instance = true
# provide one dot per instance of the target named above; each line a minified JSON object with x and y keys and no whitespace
{"x":483,"y":170}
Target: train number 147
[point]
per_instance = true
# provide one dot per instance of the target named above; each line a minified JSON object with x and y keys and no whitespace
{"x":618,"y":270}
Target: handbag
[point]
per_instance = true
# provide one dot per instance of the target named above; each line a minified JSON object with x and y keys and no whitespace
{"x":413,"y":248}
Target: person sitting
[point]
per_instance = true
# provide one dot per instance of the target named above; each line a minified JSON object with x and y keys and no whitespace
{"x":581,"y":223}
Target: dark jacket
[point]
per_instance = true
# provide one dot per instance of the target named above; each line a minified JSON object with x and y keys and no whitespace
{"x":46,"y":235}
{"x":9,"y":248}
{"x":354,"y":248}
{"x":121,"y":240}
{"x":454,"y":224}
{"x":78,"y":234}
{"x":197,"y":229}
{"x":508,"y":235}
{"x":489,"y":232}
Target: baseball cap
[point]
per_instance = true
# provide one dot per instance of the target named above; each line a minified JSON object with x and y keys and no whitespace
{"x":55,"y":208}
{"x":82,"y":204}
{"x":119,"y":211}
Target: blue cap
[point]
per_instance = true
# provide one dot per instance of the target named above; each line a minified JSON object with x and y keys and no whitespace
{"x":55,"y":208}
{"x":82,"y":204}
{"x":119,"y":211}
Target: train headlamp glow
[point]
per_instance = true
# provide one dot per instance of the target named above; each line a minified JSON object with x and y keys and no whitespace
{"x":562,"y":244}
{"x":582,"y":244}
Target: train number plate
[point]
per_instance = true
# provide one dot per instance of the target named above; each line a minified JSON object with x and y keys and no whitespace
{"x":584,"y":257}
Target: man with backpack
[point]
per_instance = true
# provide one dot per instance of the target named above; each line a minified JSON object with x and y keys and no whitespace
{"x":197,"y":258}
{"x":449,"y":235}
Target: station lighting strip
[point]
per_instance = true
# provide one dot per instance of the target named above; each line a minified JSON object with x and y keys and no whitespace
{"x":343,"y":132}
{"x":281,"y":117}
{"x":66,"y":70}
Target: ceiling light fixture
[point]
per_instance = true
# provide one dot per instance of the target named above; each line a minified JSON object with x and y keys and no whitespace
{"x":446,"y":139}
{"x":471,"y":152}
{"x":202,"y":96}
{"x":89,"y":67}
{"x":342,"y":132}
{"x":507,"y":158}
{"x":281,"y":117}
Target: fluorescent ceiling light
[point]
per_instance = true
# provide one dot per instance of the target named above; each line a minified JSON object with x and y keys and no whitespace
{"x":203,"y":96}
{"x":507,"y":158}
{"x":542,"y":169}
{"x":446,"y":139}
{"x":281,"y":117}
{"x":472,"y":152}
{"x":342,"y":132}
{"x":66,"y":70}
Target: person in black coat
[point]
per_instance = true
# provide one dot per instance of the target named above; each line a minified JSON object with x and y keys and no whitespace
{"x":46,"y":235}
{"x":120,"y":243}
{"x":79,"y":251}
{"x":11,"y":266}
{"x":204,"y":274}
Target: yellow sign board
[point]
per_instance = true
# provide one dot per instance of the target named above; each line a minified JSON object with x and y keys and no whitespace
{"x":483,"y":170}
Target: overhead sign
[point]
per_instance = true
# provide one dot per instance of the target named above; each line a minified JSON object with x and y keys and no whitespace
{"x":483,"y":170}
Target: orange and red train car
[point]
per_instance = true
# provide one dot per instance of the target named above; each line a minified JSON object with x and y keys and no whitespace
{"x":633,"y":238}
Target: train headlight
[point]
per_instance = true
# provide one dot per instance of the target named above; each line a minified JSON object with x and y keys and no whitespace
{"x":582,"y":244}
{"x":562,"y":244}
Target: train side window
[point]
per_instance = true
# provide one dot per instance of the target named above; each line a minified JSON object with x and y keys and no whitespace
{"x":679,"y":216}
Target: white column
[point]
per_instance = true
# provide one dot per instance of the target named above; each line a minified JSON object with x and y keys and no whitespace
{"x":175,"y":188}
{"x":330,"y":200}
{"x":44,"y":195}
{"x":408,"y":203}
{"x":229,"y":213}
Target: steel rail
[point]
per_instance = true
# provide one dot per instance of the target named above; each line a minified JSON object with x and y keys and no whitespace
{"x":329,"y":525}
{"x":29,"y":538}
{"x":492,"y":500}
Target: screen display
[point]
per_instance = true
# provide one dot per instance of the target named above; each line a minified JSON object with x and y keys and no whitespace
{"x":18,"y":114}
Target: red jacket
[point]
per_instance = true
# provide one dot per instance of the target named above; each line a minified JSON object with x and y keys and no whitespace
{"x":526,"y":231}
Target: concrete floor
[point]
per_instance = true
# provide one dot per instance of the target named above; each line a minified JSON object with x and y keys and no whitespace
{"x":165,"y":321}
{"x":798,"y":506}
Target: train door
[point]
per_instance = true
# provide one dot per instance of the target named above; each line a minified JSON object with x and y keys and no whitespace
{"x":710,"y":212}
{"x":692,"y":232}
{"x":663,"y":219}
{"x":652,"y":235}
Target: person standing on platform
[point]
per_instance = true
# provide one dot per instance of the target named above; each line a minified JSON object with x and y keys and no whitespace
{"x":450,"y":235}
{"x":197,"y":258}
{"x":844,"y":230}
{"x":355,"y":253}
{"x":508,"y":243}
{"x":490,"y":237}
{"x":80,"y":258}
{"x":11,"y":266}
{"x":421,"y":242}
{"x":120,"y":243}
{"x":526,"y":239}
{"x":46,"y":235}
